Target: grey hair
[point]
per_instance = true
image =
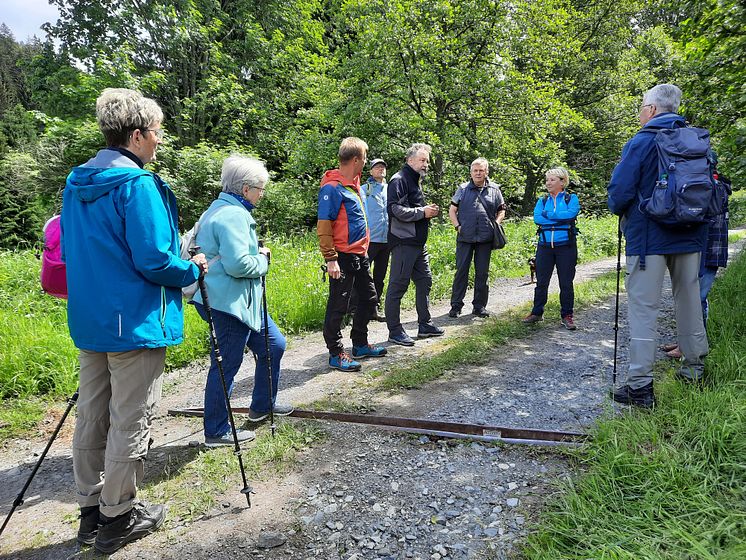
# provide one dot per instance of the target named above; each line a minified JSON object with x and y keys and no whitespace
{"x":121,"y":111}
{"x":665,"y":97}
{"x":481,"y":161}
{"x":418,"y":147}
{"x":240,"y":170}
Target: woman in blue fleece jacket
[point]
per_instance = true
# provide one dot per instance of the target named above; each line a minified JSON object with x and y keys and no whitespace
{"x":555,"y":214}
{"x":227,"y":235}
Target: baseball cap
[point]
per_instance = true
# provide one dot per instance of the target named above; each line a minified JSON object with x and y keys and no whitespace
{"x":376,"y":162}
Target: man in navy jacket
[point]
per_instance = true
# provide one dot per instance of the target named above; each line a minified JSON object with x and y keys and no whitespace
{"x":651,"y":248}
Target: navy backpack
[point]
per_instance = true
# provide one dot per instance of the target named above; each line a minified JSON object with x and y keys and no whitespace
{"x":686,"y":192}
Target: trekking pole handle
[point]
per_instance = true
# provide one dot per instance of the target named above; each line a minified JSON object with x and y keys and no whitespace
{"x":267,"y":254}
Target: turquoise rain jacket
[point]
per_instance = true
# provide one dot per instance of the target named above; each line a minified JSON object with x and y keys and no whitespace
{"x":227,"y":237}
{"x":120,"y":243}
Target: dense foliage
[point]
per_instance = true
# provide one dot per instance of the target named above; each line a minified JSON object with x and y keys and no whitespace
{"x":528,"y":84}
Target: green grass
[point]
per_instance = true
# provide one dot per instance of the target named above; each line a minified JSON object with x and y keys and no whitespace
{"x":476,"y":345}
{"x":192,"y":487}
{"x":40,"y":359}
{"x":737,"y":209}
{"x":667,"y":484}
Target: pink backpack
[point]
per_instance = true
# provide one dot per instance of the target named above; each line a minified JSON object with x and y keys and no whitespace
{"x":53,"y":271}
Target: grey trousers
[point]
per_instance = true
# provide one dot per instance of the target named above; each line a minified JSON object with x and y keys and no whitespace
{"x":643,"y":302}
{"x":408,"y":262}
{"x":118,"y":395}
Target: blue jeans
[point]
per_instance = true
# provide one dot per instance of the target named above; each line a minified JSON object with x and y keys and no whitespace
{"x":233,"y":337}
{"x":706,"y":279}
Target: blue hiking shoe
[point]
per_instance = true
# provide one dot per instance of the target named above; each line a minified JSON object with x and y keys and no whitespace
{"x":343,"y":362}
{"x":368,"y":351}
{"x":426,"y":330}
{"x":402,"y":339}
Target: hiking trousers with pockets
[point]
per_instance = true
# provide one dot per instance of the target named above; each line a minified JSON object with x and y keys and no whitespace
{"x":118,"y":395}
{"x":643,"y":302}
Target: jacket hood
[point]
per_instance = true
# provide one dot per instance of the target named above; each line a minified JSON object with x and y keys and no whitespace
{"x":334,"y":176}
{"x":664,"y":120}
{"x":108,"y":170}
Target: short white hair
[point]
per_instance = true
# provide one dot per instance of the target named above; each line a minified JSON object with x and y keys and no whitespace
{"x":414,"y":149}
{"x":240,"y":170}
{"x":665,"y":97}
{"x":481,"y":161}
{"x":121,"y":111}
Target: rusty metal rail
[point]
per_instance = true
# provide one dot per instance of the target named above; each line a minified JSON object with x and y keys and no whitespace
{"x":434,"y":428}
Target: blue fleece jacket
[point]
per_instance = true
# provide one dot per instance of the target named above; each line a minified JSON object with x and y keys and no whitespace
{"x":555,"y":215}
{"x":121,"y":245}
{"x":227,"y":237}
{"x":633,"y":179}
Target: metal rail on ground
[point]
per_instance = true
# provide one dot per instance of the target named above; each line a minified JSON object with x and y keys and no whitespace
{"x":436,"y":428}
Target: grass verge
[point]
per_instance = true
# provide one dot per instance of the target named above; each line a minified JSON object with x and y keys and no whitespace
{"x":192,"y":488}
{"x":670,"y":484}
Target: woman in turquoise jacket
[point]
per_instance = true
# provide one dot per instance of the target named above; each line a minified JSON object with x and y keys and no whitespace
{"x":555,"y":214}
{"x":227,"y":237}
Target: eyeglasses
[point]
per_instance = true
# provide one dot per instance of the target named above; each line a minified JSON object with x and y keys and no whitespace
{"x":647,"y":105}
{"x":158,"y":133}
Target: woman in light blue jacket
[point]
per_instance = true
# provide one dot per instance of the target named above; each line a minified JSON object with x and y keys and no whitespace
{"x":555,"y":214}
{"x":227,"y":237}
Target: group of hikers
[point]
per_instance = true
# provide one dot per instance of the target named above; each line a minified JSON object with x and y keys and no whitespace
{"x":121,"y":245}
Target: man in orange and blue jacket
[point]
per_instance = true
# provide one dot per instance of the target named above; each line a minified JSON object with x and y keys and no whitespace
{"x":343,"y":239}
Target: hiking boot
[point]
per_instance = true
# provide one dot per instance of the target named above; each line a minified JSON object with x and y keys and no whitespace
{"x":569,"y":323}
{"x":343,"y":362}
{"x":402,"y":339}
{"x":480,"y":312}
{"x":368,"y":351}
{"x":454,"y":312}
{"x":643,"y":397}
{"x":378,"y":315}
{"x":690,"y":374}
{"x":137,"y":523}
{"x":227,"y":438}
{"x":428,"y":330}
{"x":88,"y":525}
{"x":280,"y":409}
{"x":529,"y":319}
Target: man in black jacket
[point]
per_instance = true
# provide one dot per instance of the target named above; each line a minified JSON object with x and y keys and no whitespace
{"x":408,"y":227}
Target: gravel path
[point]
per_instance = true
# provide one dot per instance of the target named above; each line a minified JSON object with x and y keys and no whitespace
{"x":368,"y":493}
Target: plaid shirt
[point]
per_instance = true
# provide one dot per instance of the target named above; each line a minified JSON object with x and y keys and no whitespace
{"x":715,"y":254}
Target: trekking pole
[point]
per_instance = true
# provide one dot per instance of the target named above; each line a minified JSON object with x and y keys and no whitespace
{"x":616,"y":307}
{"x":219,"y":359}
{"x":266,"y":349}
{"x":19,"y":499}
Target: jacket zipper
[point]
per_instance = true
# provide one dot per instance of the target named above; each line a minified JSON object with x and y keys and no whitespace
{"x":163,"y":310}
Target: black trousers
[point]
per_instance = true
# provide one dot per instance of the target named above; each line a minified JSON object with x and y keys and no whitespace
{"x":378,"y":255}
{"x":355,"y":273}
{"x":565,"y":258}
{"x":480,"y":253}
{"x":408,"y":263}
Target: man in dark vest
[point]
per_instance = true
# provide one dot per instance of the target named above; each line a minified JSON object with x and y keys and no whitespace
{"x":409,"y":220}
{"x":474,"y":207}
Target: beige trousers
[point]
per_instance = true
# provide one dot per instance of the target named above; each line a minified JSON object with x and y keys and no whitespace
{"x":644,"y":289}
{"x":118,"y":395}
